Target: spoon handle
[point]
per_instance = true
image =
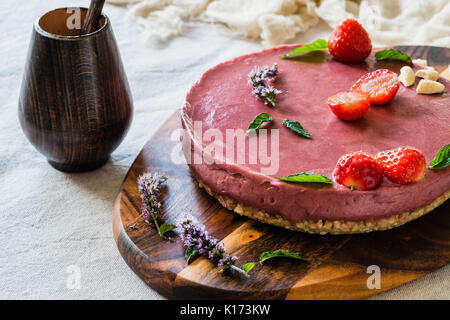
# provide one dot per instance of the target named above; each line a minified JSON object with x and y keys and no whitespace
{"x":90,"y":22}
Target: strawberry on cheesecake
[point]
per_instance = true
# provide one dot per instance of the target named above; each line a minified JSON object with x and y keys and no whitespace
{"x":376,"y":156}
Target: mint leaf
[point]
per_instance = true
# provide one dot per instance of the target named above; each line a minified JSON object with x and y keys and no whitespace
{"x":190,"y":253}
{"x":249,"y":266}
{"x":280,"y":253}
{"x":296,"y":127}
{"x":442,"y":158}
{"x":392,"y":54}
{"x":319,"y":44}
{"x":165,"y":228}
{"x":306,"y":177}
{"x":258,"y":121}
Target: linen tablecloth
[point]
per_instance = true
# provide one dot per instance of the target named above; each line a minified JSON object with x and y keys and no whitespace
{"x":53,"y":224}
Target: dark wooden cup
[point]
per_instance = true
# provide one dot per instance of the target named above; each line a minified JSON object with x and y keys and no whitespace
{"x":75,"y":104}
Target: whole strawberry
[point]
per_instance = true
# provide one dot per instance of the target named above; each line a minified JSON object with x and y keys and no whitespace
{"x":402,"y":165}
{"x":358,"y":171}
{"x":350,"y":42}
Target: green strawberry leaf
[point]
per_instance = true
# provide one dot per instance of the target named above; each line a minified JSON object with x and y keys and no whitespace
{"x":258,"y":121}
{"x":319,"y":44}
{"x":190,"y":253}
{"x":392,"y":54}
{"x":296,"y":127}
{"x":442,"y":158}
{"x":306,"y":177}
{"x":280,"y":253}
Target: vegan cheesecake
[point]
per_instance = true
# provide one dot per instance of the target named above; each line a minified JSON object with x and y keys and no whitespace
{"x":220,"y":106}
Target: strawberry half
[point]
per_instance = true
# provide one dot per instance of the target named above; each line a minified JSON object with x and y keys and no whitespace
{"x":381,"y":85}
{"x":358,"y":170}
{"x":402,"y":165}
{"x":349,"y":105}
{"x":350,"y":42}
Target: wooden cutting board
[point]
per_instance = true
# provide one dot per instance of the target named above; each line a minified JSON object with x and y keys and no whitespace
{"x":336,"y":266}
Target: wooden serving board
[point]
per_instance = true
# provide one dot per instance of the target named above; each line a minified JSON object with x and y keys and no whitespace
{"x":336,"y":266}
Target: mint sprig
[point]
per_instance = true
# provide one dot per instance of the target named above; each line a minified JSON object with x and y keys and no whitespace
{"x":306,"y":177}
{"x":190,"y":253}
{"x":392,"y":54}
{"x":280,"y":253}
{"x":258,"y":121}
{"x":259,"y":78}
{"x":248,"y":266}
{"x":442,"y":158}
{"x":317,"y":45}
{"x":199,"y":243}
{"x":164,"y":228}
{"x":296,"y":127}
{"x":149,"y":186}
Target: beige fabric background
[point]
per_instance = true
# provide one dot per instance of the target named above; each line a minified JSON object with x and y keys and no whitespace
{"x":274,"y":22}
{"x":51,"y":221}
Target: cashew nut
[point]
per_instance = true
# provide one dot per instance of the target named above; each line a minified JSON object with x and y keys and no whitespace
{"x":406,"y":76}
{"x":428,"y":74}
{"x":421,"y":62}
{"x":429,"y":87}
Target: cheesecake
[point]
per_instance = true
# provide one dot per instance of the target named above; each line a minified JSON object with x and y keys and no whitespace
{"x":223,"y":159}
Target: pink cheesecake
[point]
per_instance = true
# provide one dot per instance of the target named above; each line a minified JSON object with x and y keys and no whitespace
{"x":222,"y":101}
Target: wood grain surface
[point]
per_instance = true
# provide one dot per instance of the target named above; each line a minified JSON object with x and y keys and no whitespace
{"x":75,"y":105}
{"x":336,"y":266}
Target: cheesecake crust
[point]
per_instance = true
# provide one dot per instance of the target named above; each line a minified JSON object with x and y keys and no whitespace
{"x":324,"y":227}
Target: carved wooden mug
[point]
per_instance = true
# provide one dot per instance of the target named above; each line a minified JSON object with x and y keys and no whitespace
{"x":75,"y":104}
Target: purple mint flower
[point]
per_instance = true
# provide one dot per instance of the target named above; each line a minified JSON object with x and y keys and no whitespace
{"x":193,"y":235}
{"x":259,"y":78}
{"x":149,"y":188}
{"x":271,"y":73}
{"x":149,"y":185}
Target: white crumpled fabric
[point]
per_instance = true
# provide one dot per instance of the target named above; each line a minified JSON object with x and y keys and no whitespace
{"x":392,"y":22}
{"x":389,"y":22}
{"x":52,"y":223}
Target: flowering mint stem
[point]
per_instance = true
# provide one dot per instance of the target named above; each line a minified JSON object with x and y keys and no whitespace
{"x":198,"y":242}
{"x":149,"y":185}
{"x":258,"y":78}
{"x":155,"y":221}
{"x":240,"y":270}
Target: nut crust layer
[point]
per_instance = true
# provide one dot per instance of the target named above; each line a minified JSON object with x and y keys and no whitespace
{"x":326,"y":226}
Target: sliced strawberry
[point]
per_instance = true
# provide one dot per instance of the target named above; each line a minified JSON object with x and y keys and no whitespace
{"x":381,"y":85}
{"x":349,"y":105}
{"x":358,"y":170}
{"x":402,"y":165}
{"x":349,"y":42}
